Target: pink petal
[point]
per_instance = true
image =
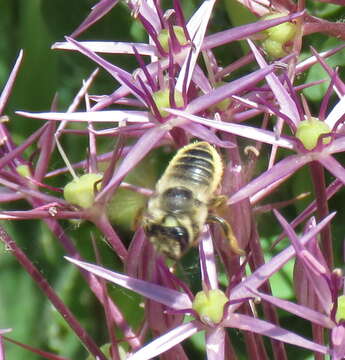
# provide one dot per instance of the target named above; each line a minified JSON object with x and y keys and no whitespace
{"x":110,"y":47}
{"x":262,"y":327}
{"x":244,"y":31}
{"x":282,"y":169}
{"x":236,"y":129}
{"x":112,"y":116}
{"x":287,"y":105}
{"x":215,"y":343}
{"x":299,"y":310}
{"x":134,"y":156}
{"x":171,"y":298}
{"x":10,"y":82}
{"x":98,"y":11}
{"x":166,"y":341}
{"x":255,"y":280}
{"x":334,"y":167}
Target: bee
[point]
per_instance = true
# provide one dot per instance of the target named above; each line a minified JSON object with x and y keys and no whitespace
{"x":185,"y":194}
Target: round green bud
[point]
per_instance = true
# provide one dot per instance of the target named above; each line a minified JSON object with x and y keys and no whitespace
{"x":163,"y":37}
{"x":23,"y":170}
{"x":308,"y":131}
{"x":273,"y":48}
{"x":161,"y":99}
{"x":340,"y":314}
{"x":210,"y":305}
{"x":81,"y":191}
{"x":277,"y":36}
{"x":283,"y":32}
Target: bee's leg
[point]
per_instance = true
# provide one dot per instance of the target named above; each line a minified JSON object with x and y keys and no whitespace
{"x":228,"y":233}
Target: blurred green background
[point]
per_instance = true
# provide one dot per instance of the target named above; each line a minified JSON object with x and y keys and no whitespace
{"x":34,"y":25}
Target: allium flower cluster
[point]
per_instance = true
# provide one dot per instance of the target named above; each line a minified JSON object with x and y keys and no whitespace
{"x":253,"y":110}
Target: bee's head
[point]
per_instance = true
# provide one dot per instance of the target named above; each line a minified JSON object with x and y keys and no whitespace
{"x":169,"y":237}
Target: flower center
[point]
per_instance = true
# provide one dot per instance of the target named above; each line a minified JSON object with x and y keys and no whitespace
{"x":81,"y":191}
{"x":162,"y":100}
{"x":164,"y":36}
{"x":278,"y":37}
{"x":23,"y":170}
{"x":210,"y":305}
{"x":308,"y":131}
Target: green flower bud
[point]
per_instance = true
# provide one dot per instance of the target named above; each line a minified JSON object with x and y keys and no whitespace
{"x":210,"y":305}
{"x":23,"y":170}
{"x":273,"y":48}
{"x":163,"y":37}
{"x":81,"y":191}
{"x":340,"y":314}
{"x":278,"y":36}
{"x":308,"y":131}
{"x":161,"y":99}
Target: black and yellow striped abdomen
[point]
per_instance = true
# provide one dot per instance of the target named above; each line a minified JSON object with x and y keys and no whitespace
{"x":194,"y":166}
{"x":197,"y":166}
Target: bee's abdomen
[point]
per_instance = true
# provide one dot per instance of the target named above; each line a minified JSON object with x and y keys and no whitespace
{"x":194,"y":165}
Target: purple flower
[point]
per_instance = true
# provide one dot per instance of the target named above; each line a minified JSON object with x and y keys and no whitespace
{"x":331,"y":141}
{"x":181,"y":302}
{"x":178,"y":91}
{"x":318,"y":290}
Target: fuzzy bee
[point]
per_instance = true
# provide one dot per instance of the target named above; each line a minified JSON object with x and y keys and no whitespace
{"x":176,"y":213}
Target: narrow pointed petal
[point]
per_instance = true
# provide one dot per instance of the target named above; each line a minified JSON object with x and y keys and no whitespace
{"x":110,"y":47}
{"x":171,"y":298}
{"x":215,"y":343}
{"x":197,"y":28}
{"x":336,"y":113}
{"x":148,"y":11}
{"x":201,"y":80}
{"x":248,"y":132}
{"x":122,"y":76}
{"x":20,"y":149}
{"x":299,"y":310}
{"x":315,"y":271}
{"x":39,"y":353}
{"x":244,"y":31}
{"x":286,"y":103}
{"x":91,"y":116}
{"x":334,"y":167}
{"x":112,"y":69}
{"x":10,"y":82}
{"x":97,"y":12}
{"x":282,"y":169}
{"x":137,"y":152}
{"x":208,"y":269}
{"x":226,"y":91}
{"x":255,"y":280}
{"x":167,"y":341}
{"x":307,"y":63}
{"x":338,"y":85}
{"x":262,"y":327}
{"x":336,"y":146}
{"x":204,"y":133}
